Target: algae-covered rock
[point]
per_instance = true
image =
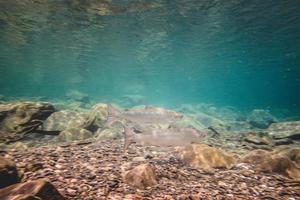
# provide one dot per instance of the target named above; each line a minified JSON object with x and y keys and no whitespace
{"x":141,"y":176}
{"x":206,"y":157}
{"x":17,"y":119}
{"x":259,"y":118}
{"x":8,"y":173}
{"x":285,"y":130}
{"x":21,"y":117}
{"x":108,"y":133}
{"x":97,"y":117}
{"x":74,"y":134}
{"x":113,"y":131}
{"x":32,"y":190}
{"x":65,"y":119}
{"x":259,"y":138}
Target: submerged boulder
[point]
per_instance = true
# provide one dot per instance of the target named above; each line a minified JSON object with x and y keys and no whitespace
{"x":32,"y":190}
{"x":113,"y":131}
{"x":285,"y":130}
{"x":284,"y":162}
{"x":17,"y":119}
{"x":8,"y":173}
{"x":260,"y":118}
{"x":74,"y":134}
{"x":97,"y":117}
{"x":141,"y":176}
{"x":65,"y":119}
{"x":206,"y":157}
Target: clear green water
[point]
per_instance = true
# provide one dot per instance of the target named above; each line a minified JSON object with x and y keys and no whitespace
{"x":238,"y":52}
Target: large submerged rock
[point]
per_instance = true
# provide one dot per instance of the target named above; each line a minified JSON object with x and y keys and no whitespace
{"x":261,"y":119}
{"x":97,"y":117}
{"x":74,"y":134}
{"x":284,"y":162}
{"x":259,"y":138}
{"x":65,"y":119}
{"x":285,"y":130}
{"x":17,"y":119}
{"x":33,"y":190}
{"x":206,"y":157}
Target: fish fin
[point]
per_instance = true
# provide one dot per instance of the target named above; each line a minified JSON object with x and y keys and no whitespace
{"x":113,"y":111}
{"x":128,"y":138}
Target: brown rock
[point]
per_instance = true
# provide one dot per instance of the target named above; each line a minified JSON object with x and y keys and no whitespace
{"x":33,"y":190}
{"x":8,"y":173}
{"x":284,"y":162}
{"x":255,"y":157}
{"x":141,"y":176}
{"x":206,"y":157}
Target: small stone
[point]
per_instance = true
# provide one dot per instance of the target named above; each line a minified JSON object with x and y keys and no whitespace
{"x":141,"y":176}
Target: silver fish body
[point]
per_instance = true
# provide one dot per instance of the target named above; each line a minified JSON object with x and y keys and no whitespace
{"x":163,"y":137}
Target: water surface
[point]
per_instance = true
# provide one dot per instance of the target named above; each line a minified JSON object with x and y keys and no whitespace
{"x":240,"y":53}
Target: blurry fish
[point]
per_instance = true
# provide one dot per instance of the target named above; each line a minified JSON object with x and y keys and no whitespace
{"x":163,"y":137}
{"x":151,"y":115}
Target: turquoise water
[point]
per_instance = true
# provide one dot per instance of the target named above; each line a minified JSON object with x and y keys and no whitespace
{"x":240,"y":53}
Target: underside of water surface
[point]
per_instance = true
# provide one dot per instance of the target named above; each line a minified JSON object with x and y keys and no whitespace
{"x":149,"y":99}
{"x":243,"y":54}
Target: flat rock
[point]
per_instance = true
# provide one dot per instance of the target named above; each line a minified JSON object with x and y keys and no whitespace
{"x":32,"y":190}
{"x":206,"y":157}
{"x":285,"y":130}
{"x":259,"y":138}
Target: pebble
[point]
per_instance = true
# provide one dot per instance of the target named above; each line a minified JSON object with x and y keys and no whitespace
{"x":94,"y":172}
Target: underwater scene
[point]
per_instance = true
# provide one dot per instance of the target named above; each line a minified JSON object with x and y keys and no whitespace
{"x":149,"y":99}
